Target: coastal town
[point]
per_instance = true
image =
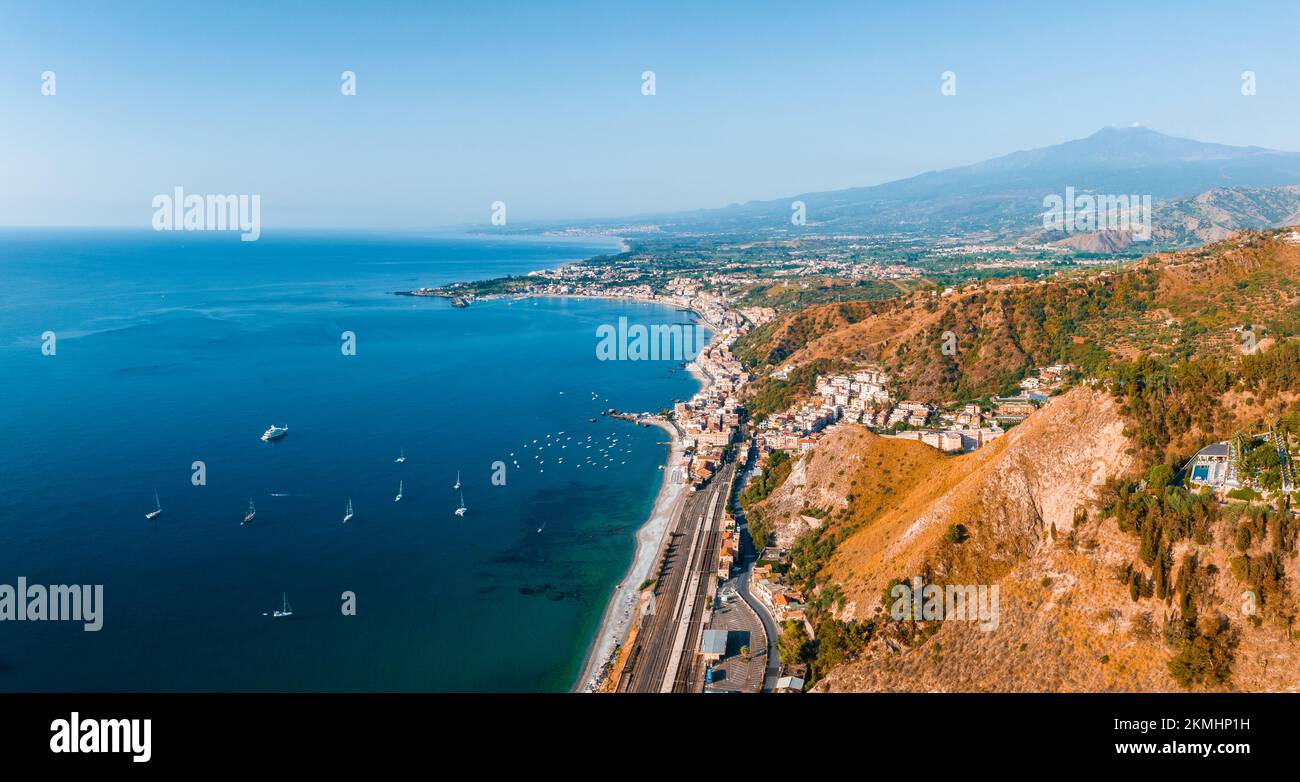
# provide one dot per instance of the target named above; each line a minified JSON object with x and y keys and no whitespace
{"x":742,"y":601}
{"x":862,"y":397}
{"x":708,"y":606}
{"x":745,"y":600}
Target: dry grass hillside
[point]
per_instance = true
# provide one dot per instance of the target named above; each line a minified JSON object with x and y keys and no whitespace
{"x":1066,"y":621}
{"x":1170,"y":305}
{"x":851,"y":477}
{"x":1008,"y":495}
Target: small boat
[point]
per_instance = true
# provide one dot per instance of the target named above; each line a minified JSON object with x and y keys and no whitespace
{"x":398,"y":498}
{"x":461,"y":510}
{"x":401,"y":458}
{"x":275,"y":433}
{"x":251,"y":513}
{"x":285,"y":608}
{"x":157,"y":511}
{"x":348,"y":516}
{"x":457,"y":484}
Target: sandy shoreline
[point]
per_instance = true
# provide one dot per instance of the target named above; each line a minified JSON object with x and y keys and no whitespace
{"x":650,"y":537}
{"x":616,"y":622}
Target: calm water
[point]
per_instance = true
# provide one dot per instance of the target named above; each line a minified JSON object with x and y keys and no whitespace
{"x":176,"y":348}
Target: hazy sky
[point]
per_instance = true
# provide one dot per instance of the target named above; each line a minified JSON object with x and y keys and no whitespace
{"x":459,"y":105}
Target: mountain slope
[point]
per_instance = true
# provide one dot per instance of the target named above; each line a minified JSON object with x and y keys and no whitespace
{"x":1175,"y":304}
{"x":1207,"y":217}
{"x":1005,"y":195}
{"x":1217,"y":214}
{"x":1110,"y":575}
{"x":1033,"y":510}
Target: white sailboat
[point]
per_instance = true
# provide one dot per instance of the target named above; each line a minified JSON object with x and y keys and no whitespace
{"x":157,"y":511}
{"x":348,"y":516}
{"x":285,"y":608}
{"x":461,"y":510}
{"x":457,"y":484}
{"x":251,"y":513}
{"x":398,"y":498}
{"x":401,"y":457}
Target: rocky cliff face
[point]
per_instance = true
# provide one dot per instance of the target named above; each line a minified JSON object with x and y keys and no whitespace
{"x":1028,"y":505}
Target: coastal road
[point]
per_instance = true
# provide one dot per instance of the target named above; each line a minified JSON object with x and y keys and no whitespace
{"x":751,"y":553}
{"x":773,"y":671}
{"x":664,"y":657}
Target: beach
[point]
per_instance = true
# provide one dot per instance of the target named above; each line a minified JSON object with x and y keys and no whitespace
{"x":650,"y":539}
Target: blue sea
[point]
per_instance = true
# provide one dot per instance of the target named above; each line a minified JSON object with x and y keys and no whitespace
{"x":173,"y":349}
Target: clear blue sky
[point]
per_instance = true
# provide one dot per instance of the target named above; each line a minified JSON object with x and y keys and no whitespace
{"x":462,"y":104}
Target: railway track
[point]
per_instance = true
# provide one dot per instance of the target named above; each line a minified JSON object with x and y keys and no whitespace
{"x":663,"y":657}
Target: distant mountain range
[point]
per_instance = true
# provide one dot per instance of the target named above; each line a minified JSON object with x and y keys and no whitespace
{"x":1184,"y":222}
{"x":1207,"y":190}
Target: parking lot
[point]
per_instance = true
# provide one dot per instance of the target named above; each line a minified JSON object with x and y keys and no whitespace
{"x":739,"y":672}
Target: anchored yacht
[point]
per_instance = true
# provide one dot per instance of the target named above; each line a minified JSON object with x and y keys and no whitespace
{"x":275,"y":433}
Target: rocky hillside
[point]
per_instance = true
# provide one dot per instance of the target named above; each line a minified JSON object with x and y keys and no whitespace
{"x":1217,"y":214}
{"x":1171,"y":305}
{"x":1205,"y":218}
{"x":1026,"y":514}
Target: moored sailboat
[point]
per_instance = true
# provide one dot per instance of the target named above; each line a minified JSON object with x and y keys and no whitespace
{"x":285,"y":608}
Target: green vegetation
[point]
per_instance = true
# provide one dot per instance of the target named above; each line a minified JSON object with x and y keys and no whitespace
{"x":794,"y":645}
{"x":1205,"y":654}
{"x":1163,"y":402}
{"x":809,"y":553}
{"x":772,"y":394}
{"x":789,"y":296}
{"x":773,"y":475}
{"x":1259,"y":460}
{"x":837,"y":643}
{"x":1161,"y":514}
{"x":760,"y":528}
